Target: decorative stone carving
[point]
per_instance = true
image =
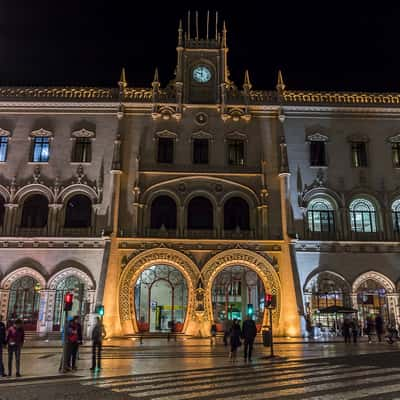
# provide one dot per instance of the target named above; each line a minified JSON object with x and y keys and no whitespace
{"x":83,"y":133}
{"x":41,"y":133}
{"x":60,"y":276}
{"x":3,"y":132}
{"x":317,"y":137}
{"x":201,"y":118}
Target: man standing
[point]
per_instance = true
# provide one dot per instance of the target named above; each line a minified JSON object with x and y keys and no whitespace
{"x":249,"y":333}
{"x":15,"y":341}
{"x":98,"y":334}
{"x":74,"y":338}
{"x":379,"y":326}
{"x":2,"y":343}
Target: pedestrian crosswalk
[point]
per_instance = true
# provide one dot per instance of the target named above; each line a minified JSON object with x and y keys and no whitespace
{"x":305,"y":380}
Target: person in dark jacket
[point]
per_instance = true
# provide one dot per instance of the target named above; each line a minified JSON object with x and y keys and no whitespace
{"x":15,"y":340}
{"x":98,"y":334}
{"x":235,"y":335}
{"x":249,"y":333}
{"x":74,"y":339}
{"x":379,"y":327}
{"x":2,"y":343}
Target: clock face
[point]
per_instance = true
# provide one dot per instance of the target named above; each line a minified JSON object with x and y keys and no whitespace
{"x":201,"y":74}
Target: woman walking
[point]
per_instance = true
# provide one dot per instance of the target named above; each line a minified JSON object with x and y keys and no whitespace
{"x":235,"y":335}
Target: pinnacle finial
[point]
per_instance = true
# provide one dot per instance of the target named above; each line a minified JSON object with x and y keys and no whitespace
{"x":280,"y":86}
{"x":224,"y":34}
{"x":247,"y":83}
{"x":180,"y":33}
{"x":156,"y":75}
{"x":122,"y":80}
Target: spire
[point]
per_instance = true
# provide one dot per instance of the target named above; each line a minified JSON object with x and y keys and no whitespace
{"x":280,"y":86}
{"x":180,"y":31}
{"x":224,"y":35}
{"x":247,"y":84}
{"x":122,"y":80}
{"x":156,"y":82}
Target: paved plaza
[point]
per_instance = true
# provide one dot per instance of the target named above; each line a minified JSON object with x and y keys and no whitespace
{"x":193,"y":369}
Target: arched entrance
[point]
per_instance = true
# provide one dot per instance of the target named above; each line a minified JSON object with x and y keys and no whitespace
{"x":161,"y":298}
{"x":236,"y":292}
{"x":247,"y":261}
{"x":73,"y":285}
{"x":175,"y":261}
{"x":24,"y":299}
{"x":327,"y":303}
{"x":373,"y":294}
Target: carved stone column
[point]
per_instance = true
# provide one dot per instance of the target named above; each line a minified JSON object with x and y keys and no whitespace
{"x":393,"y":308}
{"x":9,"y":223}
{"x":53,"y":223}
{"x":93,"y":223}
{"x":42,"y":327}
{"x":4,"y":295}
{"x":218,"y":222}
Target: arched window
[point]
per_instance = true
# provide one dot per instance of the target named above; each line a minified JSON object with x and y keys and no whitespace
{"x":200,"y":214}
{"x":35,"y":212}
{"x":362,"y":216}
{"x":163,"y":213}
{"x":24,"y":301}
{"x":236,"y":214}
{"x":73,"y":285}
{"x":396,"y":215}
{"x":2,"y":210}
{"x":78,"y":212}
{"x":321,"y":216}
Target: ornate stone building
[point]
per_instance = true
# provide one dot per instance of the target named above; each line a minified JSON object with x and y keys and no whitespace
{"x":190,"y":202}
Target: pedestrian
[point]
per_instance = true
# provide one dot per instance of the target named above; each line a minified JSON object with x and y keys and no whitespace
{"x":2,"y":343}
{"x":235,"y":335}
{"x":369,"y":330}
{"x":213,"y":333}
{"x":227,"y":329}
{"x":346,"y":330}
{"x":74,"y":338}
{"x":249,"y":333}
{"x":98,"y":334}
{"x":379,"y":327}
{"x":15,"y":341}
{"x":354,"y":330}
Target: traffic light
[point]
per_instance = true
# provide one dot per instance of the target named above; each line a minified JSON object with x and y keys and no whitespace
{"x":250,"y":309}
{"x":68,"y":299}
{"x":100,"y":310}
{"x":270,"y":300}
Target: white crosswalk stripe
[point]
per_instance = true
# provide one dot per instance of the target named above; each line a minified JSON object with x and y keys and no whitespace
{"x":297,"y":380}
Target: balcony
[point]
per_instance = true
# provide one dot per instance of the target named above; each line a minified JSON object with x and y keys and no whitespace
{"x":76,"y":232}
{"x":322,"y":236}
{"x":238,"y":234}
{"x":31,"y":232}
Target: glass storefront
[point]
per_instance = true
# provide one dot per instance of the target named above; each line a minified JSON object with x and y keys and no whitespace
{"x":371,"y":301}
{"x":236,"y":292}
{"x":160,"y":296}
{"x":327,"y":303}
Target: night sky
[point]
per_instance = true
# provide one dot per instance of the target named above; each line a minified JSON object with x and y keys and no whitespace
{"x":321,"y":46}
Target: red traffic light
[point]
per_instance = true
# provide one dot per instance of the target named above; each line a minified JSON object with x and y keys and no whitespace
{"x":270,"y":300}
{"x":68,"y":299}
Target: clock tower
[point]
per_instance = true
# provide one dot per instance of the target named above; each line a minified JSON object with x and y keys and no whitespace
{"x":201,"y":72}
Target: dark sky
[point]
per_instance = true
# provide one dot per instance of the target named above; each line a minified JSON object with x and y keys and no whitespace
{"x":319,"y":45}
